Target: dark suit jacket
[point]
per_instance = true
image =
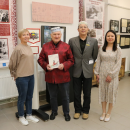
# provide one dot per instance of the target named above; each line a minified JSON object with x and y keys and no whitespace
{"x":82,"y":61}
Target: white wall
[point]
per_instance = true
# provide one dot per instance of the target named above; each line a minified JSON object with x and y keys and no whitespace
{"x":24,"y":18}
{"x":24,"y":21}
{"x":124,"y":3}
{"x":71,"y":29}
{"x":116,"y":13}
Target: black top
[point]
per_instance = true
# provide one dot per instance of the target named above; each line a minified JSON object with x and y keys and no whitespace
{"x":82,"y":44}
{"x":56,"y":44}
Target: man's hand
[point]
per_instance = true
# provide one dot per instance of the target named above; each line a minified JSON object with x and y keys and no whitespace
{"x":108,"y":79}
{"x":49,"y":67}
{"x":97,"y":78}
{"x":61,"y":67}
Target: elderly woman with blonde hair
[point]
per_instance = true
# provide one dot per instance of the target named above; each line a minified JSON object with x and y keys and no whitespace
{"x":21,"y":67}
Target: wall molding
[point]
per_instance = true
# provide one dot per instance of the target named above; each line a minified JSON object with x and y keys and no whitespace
{"x":117,"y":6}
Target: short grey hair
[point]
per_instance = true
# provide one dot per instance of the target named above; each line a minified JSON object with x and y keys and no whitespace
{"x":82,"y":22}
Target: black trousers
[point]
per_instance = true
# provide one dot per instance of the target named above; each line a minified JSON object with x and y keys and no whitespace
{"x":80,"y":84}
{"x":53,"y":90}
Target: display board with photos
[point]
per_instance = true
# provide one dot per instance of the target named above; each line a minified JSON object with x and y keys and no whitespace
{"x":124,"y":41}
{"x":114,"y":25}
{"x":94,"y":16}
{"x":46,"y":34}
{"x":125,"y":25}
{"x":8,"y":30}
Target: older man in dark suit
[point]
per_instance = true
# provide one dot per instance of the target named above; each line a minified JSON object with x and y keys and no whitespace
{"x":85,"y":50}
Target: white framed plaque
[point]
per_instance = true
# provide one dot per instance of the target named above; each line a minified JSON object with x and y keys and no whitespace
{"x":35,"y":49}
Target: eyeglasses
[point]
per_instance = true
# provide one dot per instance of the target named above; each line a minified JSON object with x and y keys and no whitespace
{"x":81,"y":27}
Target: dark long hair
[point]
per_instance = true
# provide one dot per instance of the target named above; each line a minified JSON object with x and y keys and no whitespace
{"x":106,"y":43}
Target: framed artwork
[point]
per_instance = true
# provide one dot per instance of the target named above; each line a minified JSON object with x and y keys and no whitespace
{"x":4,"y":51}
{"x":34,"y":35}
{"x":35,"y":49}
{"x":114,"y":25}
{"x":46,"y":34}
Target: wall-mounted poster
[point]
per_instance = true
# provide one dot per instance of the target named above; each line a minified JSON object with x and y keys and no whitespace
{"x":34,"y":35}
{"x":46,"y":34}
{"x":94,"y":16}
{"x":114,"y":25}
{"x":3,"y":49}
{"x":45,"y":12}
{"x":4,"y":29}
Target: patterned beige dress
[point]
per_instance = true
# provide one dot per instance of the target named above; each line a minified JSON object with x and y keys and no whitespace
{"x":108,"y":63}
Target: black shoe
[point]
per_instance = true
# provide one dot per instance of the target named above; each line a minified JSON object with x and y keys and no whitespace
{"x":67,"y":117}
{"x":52,"y":116}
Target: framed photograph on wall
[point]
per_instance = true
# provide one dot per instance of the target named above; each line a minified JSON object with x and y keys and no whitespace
{"x":128,"y":26}
{"x":125,"y":25}
{"x":34,"y":35}
{"x":114,"y":25}
{"x":4,"y":51}
{"x":46,"y":34}
{"x":4,"y":16}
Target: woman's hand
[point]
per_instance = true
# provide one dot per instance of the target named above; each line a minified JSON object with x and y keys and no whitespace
{"x":13,"y":78}
{"x":108,"y":79}
{"x":97,"y":76}
{"x":49,"y":67}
